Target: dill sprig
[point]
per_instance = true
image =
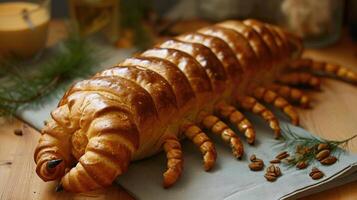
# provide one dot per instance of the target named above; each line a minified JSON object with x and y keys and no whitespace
{"x":304,"y":149}
{"x":22,"y":86}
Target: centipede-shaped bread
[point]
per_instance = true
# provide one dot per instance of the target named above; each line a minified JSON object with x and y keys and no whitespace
{"x":192,"y":86}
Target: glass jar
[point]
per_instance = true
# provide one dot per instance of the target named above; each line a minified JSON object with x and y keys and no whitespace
{"x":319,"y":23}
{"x":93,"y":16}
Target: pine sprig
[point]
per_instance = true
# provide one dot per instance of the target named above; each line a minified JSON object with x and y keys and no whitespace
{"x":22,"y":86}
{"x":305,"y":148}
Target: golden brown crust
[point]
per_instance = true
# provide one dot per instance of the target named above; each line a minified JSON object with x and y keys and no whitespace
{"x":206,"y":58}
{"x":134,"y":109}
{"x":174,"y":76}
{"x":194,"y":72}
{"x":267,"y":37}
{"x":158,"y":87}
{"x":221,"y":50}
{"x":107,"y":154}
{"x":260,"y":48}
{"x":239,"y":45}
{"x":131,"y":95}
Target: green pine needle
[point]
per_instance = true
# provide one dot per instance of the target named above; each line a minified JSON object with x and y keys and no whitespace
{"x":22,"y":86}
{"x":305,"y":148}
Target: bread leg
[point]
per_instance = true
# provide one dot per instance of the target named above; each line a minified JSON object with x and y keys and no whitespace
{"x":174,"y":156}
{"x":201,"y":140}
{"x":251,"y":104}
{"x":238,"y":119}
{"x":292,"y":94}
{"x":273,"y":98}
{"x":300,"y":79}
{"x":219,"y":128}
{"x":325,"y":69}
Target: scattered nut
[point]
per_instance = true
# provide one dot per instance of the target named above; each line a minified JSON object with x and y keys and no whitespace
{"x":18,"y":132}
{"x":256,"y":163}
{"x":272,"y":173}
{"x":322,"y":154}
{"x":256,"y":166}
{"x":301,"y":165}
{"x":274,"y":169}
{"x":329,"y":160}
{"x":322,"y":146}
{"x":282,"y":155}
{"x":275,"y":161}
{"x":270,"y":178}
{"x":316,"y":174}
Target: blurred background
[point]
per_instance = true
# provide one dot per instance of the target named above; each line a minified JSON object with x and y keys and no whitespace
{"x":128,"y":23}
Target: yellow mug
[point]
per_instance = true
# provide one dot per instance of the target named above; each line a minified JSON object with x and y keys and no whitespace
{"x":23,"y":27}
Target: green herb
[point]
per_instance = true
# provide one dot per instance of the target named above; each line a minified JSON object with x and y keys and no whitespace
{"x":22,"y":86}
{"x":305,"y":148}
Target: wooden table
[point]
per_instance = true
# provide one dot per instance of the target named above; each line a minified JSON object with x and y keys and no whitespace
{"x":334,"y":116}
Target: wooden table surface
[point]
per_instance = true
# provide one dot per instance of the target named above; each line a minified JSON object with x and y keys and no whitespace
{"x":334,"y":116}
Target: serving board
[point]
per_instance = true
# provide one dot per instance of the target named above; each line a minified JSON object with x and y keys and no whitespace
{"x":333,"y":117}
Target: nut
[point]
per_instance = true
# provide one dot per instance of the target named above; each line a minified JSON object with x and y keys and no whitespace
{"x":282,"y":155}
{"x":329,"y":160}
{"x":322,"y":154}
{"x":275,"y":161}
{"x":322,"y":146}
{"x":316,"y":173}
{"x":256,"y":166}
{"x":273,"y":169}
{"x":270,"y":177}
{"x":252,"y":157}
{"x":301,"y":165}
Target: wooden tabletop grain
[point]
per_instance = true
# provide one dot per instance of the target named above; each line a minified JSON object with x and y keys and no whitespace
{"x":333,"y":116}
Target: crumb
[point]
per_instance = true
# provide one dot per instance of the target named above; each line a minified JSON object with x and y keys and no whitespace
{"x":18,"y":132}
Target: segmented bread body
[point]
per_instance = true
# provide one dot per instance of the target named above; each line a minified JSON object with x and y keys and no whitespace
{"x":126,"y":112}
